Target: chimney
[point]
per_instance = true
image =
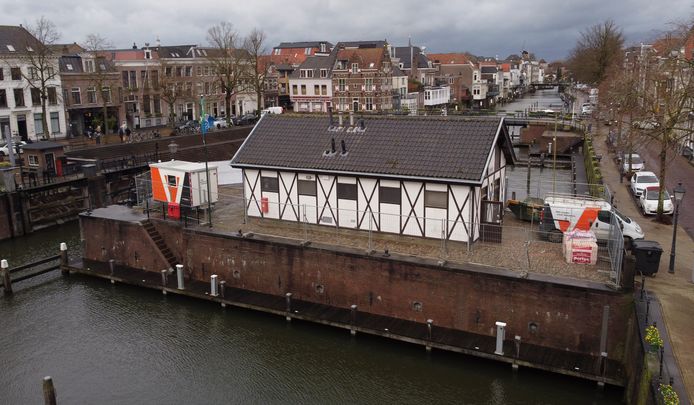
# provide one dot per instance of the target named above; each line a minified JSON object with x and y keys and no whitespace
{"x":330,"y":116}
{"x":332,"y":145}
{"x":362,"y":124}
{"x":351,"y":118}
{"x":134,"y":46}
{"x":340,"y":118}
{"x":158,"y":42}
{"x":344,"y":148}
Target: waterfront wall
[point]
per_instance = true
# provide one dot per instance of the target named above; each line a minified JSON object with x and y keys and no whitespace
{"x":543,"y":310}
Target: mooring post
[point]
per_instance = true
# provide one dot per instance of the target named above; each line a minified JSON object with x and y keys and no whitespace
{"x":352,"y":319}
{"x":222,"y":287}
{"x":163,"y":281}
{"x":48,"y":391}
{"x":517,"y":342}
{"x":7,"y":281}
{"x":111,"y":265}
{"x":213,"y":285}
{"x":63,"y":259}
{"x":430,"y":323}
{"x":500,"y":335}
{"x":603,"y":368}
{"x":179,"y":276}
{"x":289,"y":306}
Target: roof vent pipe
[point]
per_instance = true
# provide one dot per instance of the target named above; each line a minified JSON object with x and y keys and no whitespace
{"x":330,"y":116}
{"x":332,"y":145}
{"x":362,"y":124}
{"x":340,"y":118}
{"x":351,"y":118}
{"x":344,"y":147}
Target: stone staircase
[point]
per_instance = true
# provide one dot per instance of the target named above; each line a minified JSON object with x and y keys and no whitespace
{"x":161,"y":245}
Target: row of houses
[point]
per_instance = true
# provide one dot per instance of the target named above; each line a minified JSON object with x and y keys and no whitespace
{"x":154,"y":85}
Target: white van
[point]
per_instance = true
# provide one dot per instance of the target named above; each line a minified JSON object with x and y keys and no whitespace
{"x":272,"y":110}
{"x":563,"y":213}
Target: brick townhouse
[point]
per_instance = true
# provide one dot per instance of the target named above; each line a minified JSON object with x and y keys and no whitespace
{"x":362,"y":77}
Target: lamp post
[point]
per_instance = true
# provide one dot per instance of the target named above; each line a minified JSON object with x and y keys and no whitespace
{"x":679,"y":194}
{"x":173,"y":148}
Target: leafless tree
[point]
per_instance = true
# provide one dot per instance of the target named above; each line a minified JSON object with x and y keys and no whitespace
{"x":171,"y":91}
{"x":666,"y":100}
{"x":101,"y":73}
{"x":43,"y":64}
{"x":254,"y":45}
{"x":225,"y":60}
{"x":598,"y":49}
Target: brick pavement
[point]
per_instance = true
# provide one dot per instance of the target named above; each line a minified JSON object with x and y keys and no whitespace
{"x":675,"y":291}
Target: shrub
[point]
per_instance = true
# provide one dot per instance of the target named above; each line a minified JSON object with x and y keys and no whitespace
{"x":669,"y":395}
{"x":653,"y":337}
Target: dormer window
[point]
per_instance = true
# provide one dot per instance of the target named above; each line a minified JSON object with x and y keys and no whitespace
{"x":30,"y":49}
{"x":355,"y":68}
{"x":69,"y":66}
{"x":148,"y":54}
{"x":401,"y":65}
{"x":277,"y":51}
{"x":10,"y":48}
{"x":324,"y":73}
{"x":306,"y":73}
{"x":307,"y":51}
{"x":322,"y":47}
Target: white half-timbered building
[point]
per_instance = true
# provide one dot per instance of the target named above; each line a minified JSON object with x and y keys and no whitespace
{"x":419,"y":176}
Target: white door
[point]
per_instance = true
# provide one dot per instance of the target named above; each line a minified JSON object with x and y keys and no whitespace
{"x":602,"y":225}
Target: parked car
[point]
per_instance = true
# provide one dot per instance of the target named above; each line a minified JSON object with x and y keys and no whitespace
{"x":642,"y":180}
{"x":272,"y":110}
{"x":221,"y":123}
{"x":645,"y":124}
{"x":649,"y":202}
{"x":5,"y":149}
{"x":188,"y":124}
{"x":247,"y":119}
{"x":636,"y":163}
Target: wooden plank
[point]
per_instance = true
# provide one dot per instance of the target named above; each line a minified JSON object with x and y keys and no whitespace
{"x":34,"y":264}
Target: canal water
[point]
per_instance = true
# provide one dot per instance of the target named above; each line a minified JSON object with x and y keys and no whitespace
{"x":114,"y":344}
{"x":540,"y":100}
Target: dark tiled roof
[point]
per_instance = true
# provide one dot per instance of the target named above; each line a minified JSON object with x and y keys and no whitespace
{"x":404,"y":53}
{"x":488,"y":69}
{"x":307,"y":44}
{"x":42,"y":145}
{"x":75,"y":63}
{"x":426,"y":147}
{"x":362,"y":44}
{"x":18,"y":38}
{"x":316,"y":63}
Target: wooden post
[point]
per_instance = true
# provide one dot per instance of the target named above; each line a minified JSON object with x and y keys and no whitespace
{"x":179,"y":277}
{"x":48,"y":391}
{"x":163,"y":281}
{"x":111,"y":265}
{"x":7,"y":281}
{"x":222,"y":287}
{"x":63,"y":260}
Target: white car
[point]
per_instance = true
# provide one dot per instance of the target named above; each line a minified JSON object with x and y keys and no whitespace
{"x":5,"y":150}
{"x":642,"y":180}
{"x":636,"y":163}
{"x":649,"y":202}
{"x":220,"y":123}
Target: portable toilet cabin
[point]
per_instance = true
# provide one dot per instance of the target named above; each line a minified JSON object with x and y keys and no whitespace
{"x":182,"y":184}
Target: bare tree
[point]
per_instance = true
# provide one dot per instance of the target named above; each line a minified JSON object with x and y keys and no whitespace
{"x":254,"y":45}
{"x":43,"y":64}
{"x":598,"y":49}
{"x":666,"y":100}
{"x":171,"y":91}
{"x":101,"y":73}
{"x":225,"y":60}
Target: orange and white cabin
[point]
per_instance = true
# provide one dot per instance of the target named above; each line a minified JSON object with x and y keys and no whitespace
{"x":183,"y":183}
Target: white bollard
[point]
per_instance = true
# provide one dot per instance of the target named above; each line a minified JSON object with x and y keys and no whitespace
{"x":213,"y":285}
{"x":63,"y":246}
{"x":500,"y":335}
{"x":179,"y":276}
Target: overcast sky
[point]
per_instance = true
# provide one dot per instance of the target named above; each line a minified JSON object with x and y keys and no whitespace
{"x":549,"y":28}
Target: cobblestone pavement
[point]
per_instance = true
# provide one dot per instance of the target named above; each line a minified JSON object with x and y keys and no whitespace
{"x":675,"y":291}
{"x":521,"y":249}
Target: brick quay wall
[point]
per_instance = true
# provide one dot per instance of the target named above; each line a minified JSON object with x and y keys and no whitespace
{"x":545,"y":311}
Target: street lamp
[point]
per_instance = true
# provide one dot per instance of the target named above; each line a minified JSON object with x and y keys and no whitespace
{"x":173,"y":148}
{"x":679,"y":194}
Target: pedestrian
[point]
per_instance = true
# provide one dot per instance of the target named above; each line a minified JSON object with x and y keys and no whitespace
{"x":127,"y":134}
{"x":121,"y":133}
